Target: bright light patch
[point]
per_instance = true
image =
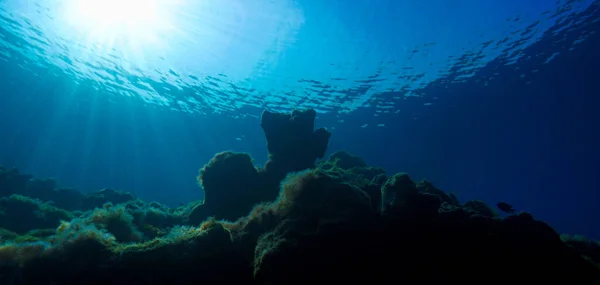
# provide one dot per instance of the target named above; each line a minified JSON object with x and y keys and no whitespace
{"x":115,"y":13}
{"x":118,"y":21}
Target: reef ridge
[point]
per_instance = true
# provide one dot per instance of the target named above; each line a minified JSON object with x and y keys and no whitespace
{"x":296,"y":220}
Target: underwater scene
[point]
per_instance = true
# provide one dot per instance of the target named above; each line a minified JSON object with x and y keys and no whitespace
{"x":299,"y":142}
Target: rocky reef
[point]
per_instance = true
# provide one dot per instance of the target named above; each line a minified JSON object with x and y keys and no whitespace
{"x":293,"y":221}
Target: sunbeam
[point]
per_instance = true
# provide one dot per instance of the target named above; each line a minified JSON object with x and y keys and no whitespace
{"x":120,"y":23}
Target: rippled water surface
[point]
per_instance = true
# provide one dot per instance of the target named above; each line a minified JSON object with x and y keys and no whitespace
{"x":219,"y":56}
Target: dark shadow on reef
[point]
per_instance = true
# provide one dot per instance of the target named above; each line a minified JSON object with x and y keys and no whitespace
{"x":289,"y":222}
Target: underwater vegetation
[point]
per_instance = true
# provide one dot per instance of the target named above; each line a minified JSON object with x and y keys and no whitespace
{"x":296,"y":220}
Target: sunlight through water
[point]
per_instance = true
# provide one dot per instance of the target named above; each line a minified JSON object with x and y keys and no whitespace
{"x":209,"y":56}
{"x":153,"y":49}
{"x":129,"y":27}
{"x":110,"y":20}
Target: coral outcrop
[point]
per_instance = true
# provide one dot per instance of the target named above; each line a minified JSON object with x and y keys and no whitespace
{"x":292,"y":142}
{"x":293,"y":145}
{"x":339,"y":221}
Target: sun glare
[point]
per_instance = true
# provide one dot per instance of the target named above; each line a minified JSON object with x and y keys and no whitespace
{"x":114,"y":21}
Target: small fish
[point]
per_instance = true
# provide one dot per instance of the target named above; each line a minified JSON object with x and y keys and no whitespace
{"x":505,"y":207}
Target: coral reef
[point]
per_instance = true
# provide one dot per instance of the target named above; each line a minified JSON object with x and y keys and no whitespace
{"x":293,"y":145}
{"x":292,"y":142}
{"x":247,"y":187}
{"x":45,"y":190}
{"x":291,"y":222}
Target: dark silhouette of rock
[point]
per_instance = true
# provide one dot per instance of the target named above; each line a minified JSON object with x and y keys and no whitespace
{"x":99,"y":198}
{"x":292,"y":142}
{"x":320,"y":226}
{"x":233,"y":185}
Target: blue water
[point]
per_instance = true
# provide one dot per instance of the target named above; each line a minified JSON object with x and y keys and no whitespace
{"x":495,"y":100}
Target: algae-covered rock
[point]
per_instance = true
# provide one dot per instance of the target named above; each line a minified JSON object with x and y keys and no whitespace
{"x":292,"y":142}
{"x":397,"y":192}
{"x":21,"y":214}
{"x":481,"y":208}
{"x":231,"y":187}
{"x":317,"y":225}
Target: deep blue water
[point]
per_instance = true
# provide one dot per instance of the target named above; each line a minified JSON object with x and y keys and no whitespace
{"x":495,"y":100}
